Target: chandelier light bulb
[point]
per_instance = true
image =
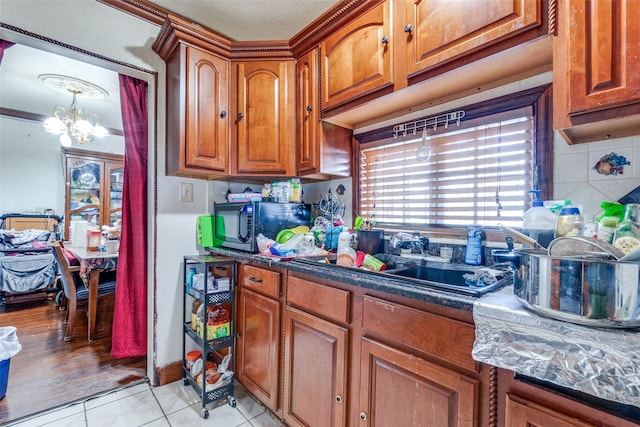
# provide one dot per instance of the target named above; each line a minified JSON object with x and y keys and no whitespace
{"x":65,"y":140}
{"x":73,"y":122}
{"x":54,"y":125}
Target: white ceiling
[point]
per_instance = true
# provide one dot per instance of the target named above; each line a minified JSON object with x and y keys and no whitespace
{"x":243,"y":20}
{"x":21,"y":90}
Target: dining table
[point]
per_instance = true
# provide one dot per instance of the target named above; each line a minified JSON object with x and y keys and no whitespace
{"x":92,"y":264}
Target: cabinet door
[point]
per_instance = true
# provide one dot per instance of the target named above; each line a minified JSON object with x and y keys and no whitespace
{"x":356,"y":59}
{"x":431,"y":33}
{"x":113,"y":196}
{"x":600,"y":42}
{"x":258,"y":346}
{"x":324,"y":149}
{"x":315,"y":372}
{"x":400,"y":389}
{"x":520,"y":412}
{"x":85,"y":191}
{"x":308,"y":112}
{"x":265,"y":113}
{"x":206,"y":124}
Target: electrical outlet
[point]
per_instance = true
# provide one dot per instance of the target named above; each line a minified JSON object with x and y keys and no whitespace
{"x":186,"y":192}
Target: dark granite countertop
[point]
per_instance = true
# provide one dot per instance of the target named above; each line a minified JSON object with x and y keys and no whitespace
{"x":359,"y":277}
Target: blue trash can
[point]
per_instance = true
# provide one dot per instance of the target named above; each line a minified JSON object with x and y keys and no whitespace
{"x":9,"y":347}
{"x":4,"y":377}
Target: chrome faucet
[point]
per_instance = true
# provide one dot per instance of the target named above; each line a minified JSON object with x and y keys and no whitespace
{"x":414,"y":242}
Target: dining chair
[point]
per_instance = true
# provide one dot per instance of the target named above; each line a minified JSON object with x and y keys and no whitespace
{"x":74,"y":288}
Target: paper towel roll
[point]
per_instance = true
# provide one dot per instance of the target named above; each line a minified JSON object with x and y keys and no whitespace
{"x":79,"y":234}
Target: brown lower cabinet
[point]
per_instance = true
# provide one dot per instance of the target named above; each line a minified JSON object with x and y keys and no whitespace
{"x":525,"y":404}
{"x":323,"y":353}
{"x":259,"y":325}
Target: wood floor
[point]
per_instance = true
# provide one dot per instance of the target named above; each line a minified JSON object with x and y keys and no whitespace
{"x":49,"y":372}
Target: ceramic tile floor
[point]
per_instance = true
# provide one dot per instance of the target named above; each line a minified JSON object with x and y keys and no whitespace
{"x":171,"y":405}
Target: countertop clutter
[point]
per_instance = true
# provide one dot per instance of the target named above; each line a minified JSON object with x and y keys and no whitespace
{"x":598,"y":361}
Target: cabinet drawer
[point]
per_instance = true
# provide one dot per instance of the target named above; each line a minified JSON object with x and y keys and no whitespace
{"x":328,"y":302}
{"x":261,"y":280}
{"x":446,"y":339}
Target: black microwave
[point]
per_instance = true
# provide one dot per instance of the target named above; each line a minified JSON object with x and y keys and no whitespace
{"x":236,"y":225}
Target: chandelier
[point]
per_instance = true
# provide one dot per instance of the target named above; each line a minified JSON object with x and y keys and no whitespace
{"x":73,"y":121}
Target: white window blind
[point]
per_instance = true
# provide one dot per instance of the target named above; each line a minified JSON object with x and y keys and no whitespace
{"x":478,"y":173}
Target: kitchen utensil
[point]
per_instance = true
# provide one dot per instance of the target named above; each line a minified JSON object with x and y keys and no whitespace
{"x":590,"y":292}
{"x":423,"y":153}
{"x":301,"y":229}
{"x":520,"y":236}
{"x":583,"y":246}
{"x":284,"y":235}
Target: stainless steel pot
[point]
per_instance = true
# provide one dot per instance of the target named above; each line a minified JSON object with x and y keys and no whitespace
{"x":582,"y":290}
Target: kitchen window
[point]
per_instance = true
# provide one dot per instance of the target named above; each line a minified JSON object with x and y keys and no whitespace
{"x":477,"y":172}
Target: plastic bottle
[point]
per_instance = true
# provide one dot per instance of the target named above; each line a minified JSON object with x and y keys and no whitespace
{"x":474,"y":254}
{"x":627,"y":235}
{"x":190,"y":274}
{"x":539,"y":222}
{"x":346,"y":255}
{"x":612,"y":215}
{"x":570,"y":222}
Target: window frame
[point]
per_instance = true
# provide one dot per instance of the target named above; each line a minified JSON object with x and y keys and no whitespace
{"x":539,"y":98}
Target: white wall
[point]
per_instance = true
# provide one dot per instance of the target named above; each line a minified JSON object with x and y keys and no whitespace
{"x":31,"y":169}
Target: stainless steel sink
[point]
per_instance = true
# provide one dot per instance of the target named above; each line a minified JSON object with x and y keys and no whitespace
{"x":436,"y":275}
{"x":450,"y":277}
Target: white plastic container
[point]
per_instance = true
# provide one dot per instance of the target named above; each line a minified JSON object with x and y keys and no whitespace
{"x":539,"y":222}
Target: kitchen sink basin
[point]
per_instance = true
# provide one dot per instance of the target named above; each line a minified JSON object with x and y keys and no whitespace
{"x":436,"y":275}
{"x":450,"y":277}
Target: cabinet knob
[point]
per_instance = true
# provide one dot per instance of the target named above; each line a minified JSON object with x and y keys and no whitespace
{"x":309,"y":108}
{"x":240,"y":116}
{"x":223,"y":114}
{"x":363,"y":416}
{"x":253,"y":279}
{"x":385,"y":39}
{"x":408,"y":28}
{"x":339,"y":399}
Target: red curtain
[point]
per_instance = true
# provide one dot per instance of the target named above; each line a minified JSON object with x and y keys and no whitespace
{"x":4,"y":45}
{"x":129,"y":337}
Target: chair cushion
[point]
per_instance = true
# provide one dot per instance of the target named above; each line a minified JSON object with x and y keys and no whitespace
{"x":103,"y":289}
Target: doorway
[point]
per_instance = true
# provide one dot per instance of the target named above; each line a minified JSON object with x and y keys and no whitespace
{"x":48,"y":372}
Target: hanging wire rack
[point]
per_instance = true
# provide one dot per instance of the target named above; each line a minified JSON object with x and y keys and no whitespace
{"x":430,"y":122}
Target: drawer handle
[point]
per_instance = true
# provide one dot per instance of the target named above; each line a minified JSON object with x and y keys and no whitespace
{"x":339,"y":399}
{"x":363,"y":416}
{"x":253,"y":279}
{"x":309,"y":108}
{"x":223,"y":114}
{"x":408,"y":28}
{"x":240,"y":116}
{"x":385,"y":39}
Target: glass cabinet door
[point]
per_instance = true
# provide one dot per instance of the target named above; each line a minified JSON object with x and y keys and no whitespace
{"x":85,"y":194}
{"x":116,"y":174}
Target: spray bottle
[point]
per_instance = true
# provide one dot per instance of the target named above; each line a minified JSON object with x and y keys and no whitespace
{"x":539,"y":222}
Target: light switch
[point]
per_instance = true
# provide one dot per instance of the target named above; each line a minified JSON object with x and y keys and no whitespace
{"x":186,"y":192}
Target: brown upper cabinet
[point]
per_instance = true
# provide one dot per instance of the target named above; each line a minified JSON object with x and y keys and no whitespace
{"x":595,"y":73}
{"x":197,"y":128}
{"x":264,"y":114}
{"x":356,"y":58}
{"x":424,"y":52}
{"x":428,"y":35}
{"x":324,"y":149}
